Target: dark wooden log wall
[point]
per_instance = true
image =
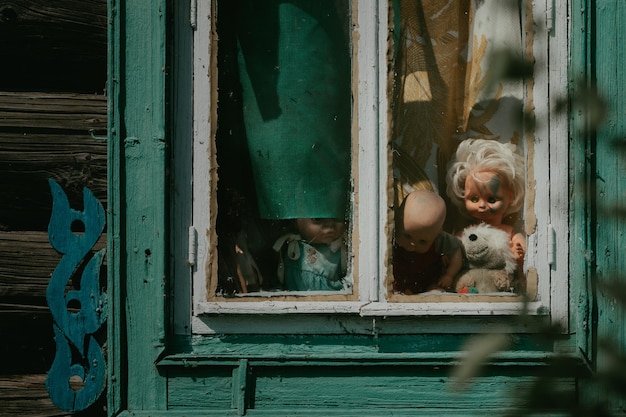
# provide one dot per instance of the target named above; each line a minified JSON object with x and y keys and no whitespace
{"x":52,"y":104}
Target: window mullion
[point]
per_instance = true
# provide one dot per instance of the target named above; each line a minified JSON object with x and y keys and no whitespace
{"x":367,"y":173}
{"x":558,"y":52}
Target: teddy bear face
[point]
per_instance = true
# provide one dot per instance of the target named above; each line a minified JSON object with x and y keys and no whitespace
{"x":487,"y":247}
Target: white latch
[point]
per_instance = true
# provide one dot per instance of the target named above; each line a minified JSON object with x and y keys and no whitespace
{"x":193,"y":246}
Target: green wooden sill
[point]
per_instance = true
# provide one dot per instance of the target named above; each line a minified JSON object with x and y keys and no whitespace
{"x":340,"y":350}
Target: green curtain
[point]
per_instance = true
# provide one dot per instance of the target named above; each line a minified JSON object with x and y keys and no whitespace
{"x":294,"y":65}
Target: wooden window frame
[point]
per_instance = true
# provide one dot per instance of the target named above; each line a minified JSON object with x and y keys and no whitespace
{"x":547,"y":248}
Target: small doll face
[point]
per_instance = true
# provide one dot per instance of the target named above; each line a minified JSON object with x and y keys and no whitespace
{"x":321,"y":230}
{"x":418,"y":239}
{"x":487,"y":197}
{"x":419,"y":221}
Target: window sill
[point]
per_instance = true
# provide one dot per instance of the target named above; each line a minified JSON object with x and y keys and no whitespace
{"x":193,"y":352}
{"x":418,"y":305}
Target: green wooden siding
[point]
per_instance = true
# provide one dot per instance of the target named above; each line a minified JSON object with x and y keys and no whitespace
{"x":606,"y":68}
{"x":400,"y":388}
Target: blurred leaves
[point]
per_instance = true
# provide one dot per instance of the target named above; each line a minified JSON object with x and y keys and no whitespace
{"x":479,"y":350}
{"x":565,"y":386}
{"x":611,"y":371}
{"x":619,"y":144}
{"x":549,"y":393}
{"x":616,"y":289}
{"x":553,"y":391}
{"x":587,"y":105}
{"x":507,"y":65}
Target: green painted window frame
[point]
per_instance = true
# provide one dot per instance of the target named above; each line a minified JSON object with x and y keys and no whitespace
{"x":143,"y":348}
{"x":372,"y":47}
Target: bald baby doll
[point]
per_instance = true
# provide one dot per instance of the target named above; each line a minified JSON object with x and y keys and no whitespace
{"x":425,"y":258}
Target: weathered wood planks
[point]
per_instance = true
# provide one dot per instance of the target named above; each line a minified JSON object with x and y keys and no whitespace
{"x":25,"y":394}
{"x":52,"y":86}
{"x":47,"y":135}
{"x":27,"y":262}
{"x":56,"y":111}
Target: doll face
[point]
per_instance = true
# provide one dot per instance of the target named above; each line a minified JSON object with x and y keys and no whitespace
{"x":416,"y":239}
{"x":487,"y":197}
{"x":321,"y":230}
{"x":419,"y":221}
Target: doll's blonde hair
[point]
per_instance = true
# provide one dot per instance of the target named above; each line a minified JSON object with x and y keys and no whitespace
{"x":476,"y":155}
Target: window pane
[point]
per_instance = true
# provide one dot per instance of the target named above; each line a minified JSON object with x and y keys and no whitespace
{"x":450,"y":105}
{"x":283,"y":145}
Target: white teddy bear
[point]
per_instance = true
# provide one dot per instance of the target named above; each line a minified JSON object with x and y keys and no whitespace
{"x":491,"y":263}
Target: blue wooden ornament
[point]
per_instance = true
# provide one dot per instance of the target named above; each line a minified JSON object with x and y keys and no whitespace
{"x":78,"y":353}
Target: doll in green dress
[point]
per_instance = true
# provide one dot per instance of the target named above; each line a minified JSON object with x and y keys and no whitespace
{"x":314,"y":259}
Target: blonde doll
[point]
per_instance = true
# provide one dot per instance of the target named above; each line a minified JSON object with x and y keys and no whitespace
{"x":486,"y":182}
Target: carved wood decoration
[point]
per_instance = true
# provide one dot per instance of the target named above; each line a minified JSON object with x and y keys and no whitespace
{"x":78,"y":373}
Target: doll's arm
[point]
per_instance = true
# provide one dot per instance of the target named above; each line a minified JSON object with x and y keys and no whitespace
{"x":453,"y":268}
{"x":518,"y":246}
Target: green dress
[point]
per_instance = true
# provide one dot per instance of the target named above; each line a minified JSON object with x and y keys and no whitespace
{"x":308,"y":266}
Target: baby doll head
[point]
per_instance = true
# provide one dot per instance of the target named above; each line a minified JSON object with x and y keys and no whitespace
{"x":419,"y":220}
{"x":321,"y":230}
{"x":486,"y":182}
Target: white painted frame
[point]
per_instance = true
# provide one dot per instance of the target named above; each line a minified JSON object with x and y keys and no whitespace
{"x":193,"y":314}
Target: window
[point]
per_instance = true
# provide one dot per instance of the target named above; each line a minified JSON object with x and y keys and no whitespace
{"x":403,"y":84}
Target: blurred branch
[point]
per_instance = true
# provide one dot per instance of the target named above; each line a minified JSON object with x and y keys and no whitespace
{"x":478,"y":351}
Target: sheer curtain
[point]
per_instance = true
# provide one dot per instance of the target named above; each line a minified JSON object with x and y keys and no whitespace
{"x":446,"y":86}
